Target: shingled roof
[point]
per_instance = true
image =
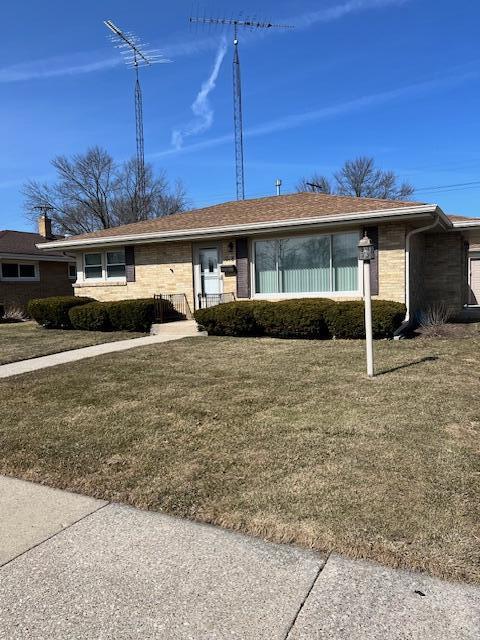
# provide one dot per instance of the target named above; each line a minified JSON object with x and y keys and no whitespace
{"x":23,"y":242}
{"x":297,"y":206}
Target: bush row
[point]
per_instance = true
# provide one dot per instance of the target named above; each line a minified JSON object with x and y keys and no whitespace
{"x":68,"y":312}
{"x":310,"y":318}
{"x":124,"y":315}
{"x":52,"y":313}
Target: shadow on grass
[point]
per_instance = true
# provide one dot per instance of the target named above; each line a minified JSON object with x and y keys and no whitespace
{"x":406,"y":365}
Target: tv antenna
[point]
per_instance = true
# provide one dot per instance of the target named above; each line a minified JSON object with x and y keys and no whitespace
{"x":237,"y":85}
{"x":136,"y":55}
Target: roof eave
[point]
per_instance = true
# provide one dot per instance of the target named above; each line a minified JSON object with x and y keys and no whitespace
{"x":250,"y":229}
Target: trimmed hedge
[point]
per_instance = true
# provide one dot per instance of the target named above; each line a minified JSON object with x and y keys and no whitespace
{"x":347,"y":319}
{"x":91,"y":317}
{"x":53,"y":313}
{"x":229,"y":319}
{"x":299,"y":318}
{"x":307,"y":318}
{"x":132,"y":315}
{"x":123,"y":315}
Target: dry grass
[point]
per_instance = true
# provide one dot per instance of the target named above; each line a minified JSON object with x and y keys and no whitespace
{"x":283,"y":439}
{"x":19,"y":341}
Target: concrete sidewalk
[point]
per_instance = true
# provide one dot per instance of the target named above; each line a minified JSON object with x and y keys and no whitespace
{"x":78,"y":568}
{"x":182,"y":329}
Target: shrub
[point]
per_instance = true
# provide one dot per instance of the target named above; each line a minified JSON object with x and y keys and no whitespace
{"x":52,"y":313}
{"x":132,"y":315}
{"x":302,"y":318}
{"x":229,"y":319}
{"x":347,"y":319}
{"x":91,"y":317}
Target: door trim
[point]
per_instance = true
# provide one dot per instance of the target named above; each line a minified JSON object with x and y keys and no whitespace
{"x":197,"y":279}
{"x":472,"y":257}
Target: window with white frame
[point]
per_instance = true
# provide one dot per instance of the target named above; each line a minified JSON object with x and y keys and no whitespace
{"x":307,"y":264}
{"x":115,"y":264}
{"x":72,"y":270}
{"x":93,"y":267}
{"x":19,"y":271}
{"x":108,"y":265}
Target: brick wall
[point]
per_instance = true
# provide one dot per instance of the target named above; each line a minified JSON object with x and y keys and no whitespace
{"x":391,"y":262}
{"x":159,"y":268}
{"x":418,"y":265}
{"x":167,"y":268}
{"x":54,"y":281}
{"x":445,"y":270}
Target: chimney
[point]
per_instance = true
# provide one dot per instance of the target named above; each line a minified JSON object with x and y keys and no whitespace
{"x":45,"y":226}
{"x":278,"y":185}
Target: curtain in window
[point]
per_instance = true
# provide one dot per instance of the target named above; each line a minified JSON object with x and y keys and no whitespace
{"x":304,"y":264}
{"x":345,"y":261}
{"x":307,"y":264}
{"x":266,"y":277}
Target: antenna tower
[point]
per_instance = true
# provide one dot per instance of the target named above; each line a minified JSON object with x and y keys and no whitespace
{"x":237,"y":85}
{"x":136,"y":55}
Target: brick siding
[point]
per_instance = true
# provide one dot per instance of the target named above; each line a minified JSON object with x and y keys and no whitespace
{"x":54,"y":281}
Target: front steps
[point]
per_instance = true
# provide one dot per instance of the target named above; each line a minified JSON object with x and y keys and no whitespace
{"x":184,"y":328}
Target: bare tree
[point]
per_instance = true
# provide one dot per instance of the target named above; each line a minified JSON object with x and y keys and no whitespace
{"x":362,"y":179}
{"x":93,"y":192}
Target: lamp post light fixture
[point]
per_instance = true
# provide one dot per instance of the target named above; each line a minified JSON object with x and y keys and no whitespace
{"x":366,"y":252}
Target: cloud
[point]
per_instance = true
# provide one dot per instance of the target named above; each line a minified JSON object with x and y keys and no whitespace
{"x":91,"y":61}
{"x":75,"y":64}
{"x":307,"y":117}
{"x":201,"y":107}
{"x":337,"y":11}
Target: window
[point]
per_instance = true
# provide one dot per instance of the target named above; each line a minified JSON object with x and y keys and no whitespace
{"x":72,"y":270}
{"x":17,"y":271}
{"x":307,"y":264}
{"x":93,"y":265}
{"x":102,"y":266}
{"x":115,"y":264}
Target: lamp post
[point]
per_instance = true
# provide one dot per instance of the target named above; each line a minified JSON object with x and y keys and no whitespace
{"x":366,"y":253}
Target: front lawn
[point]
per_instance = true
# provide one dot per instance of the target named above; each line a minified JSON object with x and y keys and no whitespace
{"x":287,"y":440}
{"x":23,"y":340}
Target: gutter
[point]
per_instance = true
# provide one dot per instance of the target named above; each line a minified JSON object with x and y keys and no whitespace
{"x":246,"y":229}
{"x":407,"y":321}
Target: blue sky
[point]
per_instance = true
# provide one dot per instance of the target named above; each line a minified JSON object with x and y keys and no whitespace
{"x":395,"y":79}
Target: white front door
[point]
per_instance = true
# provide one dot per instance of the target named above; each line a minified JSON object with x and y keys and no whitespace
{"x":474,"y":281}
{"x":209,"y":271}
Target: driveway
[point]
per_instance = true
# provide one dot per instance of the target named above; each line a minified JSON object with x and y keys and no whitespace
{"x":77,"y":568}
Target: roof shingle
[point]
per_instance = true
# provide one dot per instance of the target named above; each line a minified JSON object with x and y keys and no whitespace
{"x":269,"y":209}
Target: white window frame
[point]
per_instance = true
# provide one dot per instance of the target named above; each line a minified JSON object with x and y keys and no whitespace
{"x":72,"y":264}
{"x":35,"y":278}
{"x":306,"y":294}
{"x":104,"y":277}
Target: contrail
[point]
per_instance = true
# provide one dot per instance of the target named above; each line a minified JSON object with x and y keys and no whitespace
{"x":201,"y":107}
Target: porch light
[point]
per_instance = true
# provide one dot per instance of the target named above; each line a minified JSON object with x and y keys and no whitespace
{"x":366,"y":252}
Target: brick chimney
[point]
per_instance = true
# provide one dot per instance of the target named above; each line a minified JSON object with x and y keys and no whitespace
{"x":45,"y":226}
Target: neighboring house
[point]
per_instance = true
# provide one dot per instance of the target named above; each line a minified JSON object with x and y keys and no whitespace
{"x":298,"y":245}
{"x":27,"y":272}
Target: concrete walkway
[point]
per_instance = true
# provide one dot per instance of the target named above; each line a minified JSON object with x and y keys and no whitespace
{"x":78,"y":568}
{"x":171,"y":331}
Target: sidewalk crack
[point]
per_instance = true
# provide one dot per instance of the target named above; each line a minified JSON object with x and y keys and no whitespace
{"x":87,"y":515}
{"x":302,"y":603}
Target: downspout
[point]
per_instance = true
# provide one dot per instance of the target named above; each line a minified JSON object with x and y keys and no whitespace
{"x":405,"y":324}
